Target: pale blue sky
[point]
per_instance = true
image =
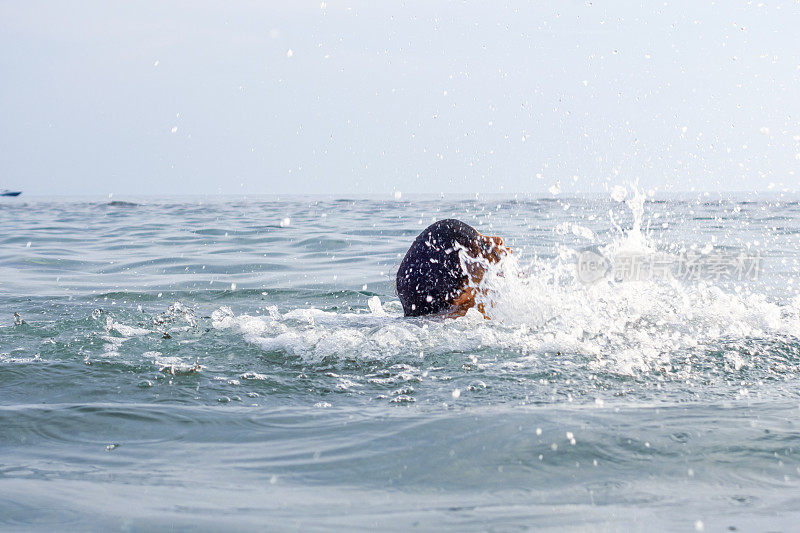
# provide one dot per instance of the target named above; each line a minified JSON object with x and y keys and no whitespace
{"x":158,"y":97}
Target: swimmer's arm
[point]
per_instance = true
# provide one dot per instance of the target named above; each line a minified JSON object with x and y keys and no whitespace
{"x":463,"y":303}
{"x":493,"y":251}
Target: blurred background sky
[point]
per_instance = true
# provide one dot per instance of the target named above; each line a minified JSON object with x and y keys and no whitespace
{"x":247,"y":97}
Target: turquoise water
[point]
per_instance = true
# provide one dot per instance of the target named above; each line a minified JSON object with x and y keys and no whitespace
{"x":230,"y":363}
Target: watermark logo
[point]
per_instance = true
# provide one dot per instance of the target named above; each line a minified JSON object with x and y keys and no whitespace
{"x":593,"y":265}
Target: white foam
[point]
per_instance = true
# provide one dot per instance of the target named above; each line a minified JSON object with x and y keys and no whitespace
{"x":539,"y":309}
{"x":125,"y":330}
{"x":375,"y":307}
{"x":626,"y":327}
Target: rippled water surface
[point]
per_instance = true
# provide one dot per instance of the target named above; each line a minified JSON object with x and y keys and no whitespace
{"x":244,"y":364}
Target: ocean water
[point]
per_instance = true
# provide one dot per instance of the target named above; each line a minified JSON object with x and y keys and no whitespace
{"x":243,"y":364}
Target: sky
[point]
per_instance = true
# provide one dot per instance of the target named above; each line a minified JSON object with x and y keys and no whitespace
{"x":357,"y":97}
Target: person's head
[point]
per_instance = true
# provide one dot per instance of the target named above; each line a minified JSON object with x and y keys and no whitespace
{"x":431,"y":276}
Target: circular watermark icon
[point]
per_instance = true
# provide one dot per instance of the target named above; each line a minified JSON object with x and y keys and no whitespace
{"x":592,"y":265}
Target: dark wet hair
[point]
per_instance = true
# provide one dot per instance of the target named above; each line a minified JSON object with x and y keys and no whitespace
{"x":430,"y":275}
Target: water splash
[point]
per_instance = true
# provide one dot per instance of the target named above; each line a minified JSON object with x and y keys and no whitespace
{"x":627,"y":327}
{"x":546,"y":324}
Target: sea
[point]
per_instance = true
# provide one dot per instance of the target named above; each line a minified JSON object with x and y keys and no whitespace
{"x":243,"y":364}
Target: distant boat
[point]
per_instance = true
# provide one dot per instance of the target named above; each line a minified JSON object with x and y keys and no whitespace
{"x":6,"y":192}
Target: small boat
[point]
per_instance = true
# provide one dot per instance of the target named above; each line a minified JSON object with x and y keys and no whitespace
{"x":6,"y":192}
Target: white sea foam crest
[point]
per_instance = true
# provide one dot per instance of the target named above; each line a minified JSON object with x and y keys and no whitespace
{"x":537,"y":312}
{"x":382,"y":334}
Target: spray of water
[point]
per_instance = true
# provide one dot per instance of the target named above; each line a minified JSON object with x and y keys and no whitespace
{"x":627,"y":326}
{"x":541,"y":313}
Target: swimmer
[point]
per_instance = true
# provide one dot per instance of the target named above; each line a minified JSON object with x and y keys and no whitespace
{"x":431,"y":279}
